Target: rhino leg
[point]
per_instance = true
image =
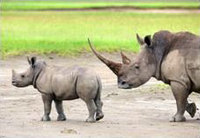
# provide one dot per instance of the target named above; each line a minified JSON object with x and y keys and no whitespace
{"x":99,"y":105}
{"x":191,"y":109}
{"x":180,"y":94}
{"x":47,"y":100}
{"x":92,"y":110}
{"x":60,"y":111}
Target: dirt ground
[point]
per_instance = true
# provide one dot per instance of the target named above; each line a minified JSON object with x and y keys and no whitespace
{"x":140,"y":112}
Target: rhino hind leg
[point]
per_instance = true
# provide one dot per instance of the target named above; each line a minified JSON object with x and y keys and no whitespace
{"x":180,"y":94}
{"x":191,"y":109}
{"x":47,"y":100}
{"x":60,"y":110}
{"x":92,"y":110}
{"x":99,"y":105}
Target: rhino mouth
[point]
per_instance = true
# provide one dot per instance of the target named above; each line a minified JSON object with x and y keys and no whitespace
{"x":14,"y":83}
{"x":124,"y":85}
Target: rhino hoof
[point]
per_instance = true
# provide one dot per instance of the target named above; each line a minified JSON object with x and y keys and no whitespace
{"x":91,"y":120}
{"x":177,"y":118}
{"x":99,"y":116}
{"x":61,"y":117}
{"x":191,"y":109}
{"x":46,"y":118}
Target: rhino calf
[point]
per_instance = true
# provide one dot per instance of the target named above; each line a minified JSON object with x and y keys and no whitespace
{"x":61,"y":83}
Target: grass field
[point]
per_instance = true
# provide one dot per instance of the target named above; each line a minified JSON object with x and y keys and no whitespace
{"x":61,"y":5}
{"x":66,"y":33}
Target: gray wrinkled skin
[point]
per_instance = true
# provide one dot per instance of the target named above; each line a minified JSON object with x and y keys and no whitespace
{"x":58,"y":84}
{"x":173,"y":58}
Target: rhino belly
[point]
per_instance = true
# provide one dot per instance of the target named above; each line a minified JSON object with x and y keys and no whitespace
{"x":63,"y":87}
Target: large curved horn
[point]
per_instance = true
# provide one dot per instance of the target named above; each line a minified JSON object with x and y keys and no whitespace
{"x":125,"y":59}
{"x":115,"y":67}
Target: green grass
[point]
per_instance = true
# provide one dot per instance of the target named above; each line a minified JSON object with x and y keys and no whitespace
{"x":50,"y":5}
{"x":66,"y":33}
{"x":162,"y":86}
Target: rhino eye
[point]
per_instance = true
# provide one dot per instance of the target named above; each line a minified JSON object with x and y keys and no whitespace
{"x":22,"y":76}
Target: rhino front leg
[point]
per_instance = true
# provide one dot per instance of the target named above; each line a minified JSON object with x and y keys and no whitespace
{"x":47,"y":100}
{"x":180,"y":94}
{"x":92,"y":111}
{"x":60,"y":111}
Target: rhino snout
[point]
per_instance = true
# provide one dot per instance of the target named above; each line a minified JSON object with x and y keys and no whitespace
{"x":14,"y":79}
{"x":14,"y":82}
{"x":122,"y":84}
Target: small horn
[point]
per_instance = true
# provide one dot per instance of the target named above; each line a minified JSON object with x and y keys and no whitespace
{"x":115,"y":67}
{"x":13,"y":73}
{"x":125,"y":59}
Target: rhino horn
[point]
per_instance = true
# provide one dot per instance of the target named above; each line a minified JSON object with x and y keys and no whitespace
{"x":13,"y":75}
{"x":115,"y":67}
{"x":13,"y":72}
{"x":125,"y":59}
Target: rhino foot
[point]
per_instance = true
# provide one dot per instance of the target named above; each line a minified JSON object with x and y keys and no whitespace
{"x":46,"y":118}
{"x":99,"y":116}
{"x":90,"y":120}
{"x":178,"y":118}
{"x":191,"y":109}
{"x":61,"y":117}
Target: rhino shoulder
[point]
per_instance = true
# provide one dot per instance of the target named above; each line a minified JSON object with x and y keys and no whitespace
{"x":43,"y":83}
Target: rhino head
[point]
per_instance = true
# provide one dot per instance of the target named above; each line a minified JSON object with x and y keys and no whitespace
{"x":133,"y":73}
{"x":29,"y":76}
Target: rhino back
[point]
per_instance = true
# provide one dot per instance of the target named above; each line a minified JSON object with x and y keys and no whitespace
{"x":74,"y":82}
{"x":64,"y":82}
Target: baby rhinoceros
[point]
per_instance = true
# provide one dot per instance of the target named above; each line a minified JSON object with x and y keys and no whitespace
{"x":61,"y":83}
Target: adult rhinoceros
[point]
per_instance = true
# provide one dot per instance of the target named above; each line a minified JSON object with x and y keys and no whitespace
{"x":173,"y":58}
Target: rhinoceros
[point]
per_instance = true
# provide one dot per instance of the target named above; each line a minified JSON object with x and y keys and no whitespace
{"x":173,"y":58}
{"x":62,"y":83}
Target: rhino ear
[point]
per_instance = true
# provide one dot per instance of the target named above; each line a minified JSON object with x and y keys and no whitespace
{"x":147,"y":40}
{"x":140,"y":40}
{"x":29,"y":61}
{"x":33,"y":61}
